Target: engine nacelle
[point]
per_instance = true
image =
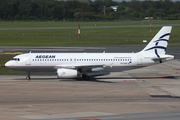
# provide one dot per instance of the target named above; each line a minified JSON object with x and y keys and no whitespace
{"x":67,"y":73}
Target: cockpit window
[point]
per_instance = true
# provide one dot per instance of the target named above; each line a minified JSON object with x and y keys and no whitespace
{"x":15,"y":59}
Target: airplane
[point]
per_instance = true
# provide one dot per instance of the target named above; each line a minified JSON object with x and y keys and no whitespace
{"x":77,"y":65}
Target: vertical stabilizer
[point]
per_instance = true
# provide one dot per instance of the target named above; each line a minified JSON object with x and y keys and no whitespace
{"x":158,"y":44}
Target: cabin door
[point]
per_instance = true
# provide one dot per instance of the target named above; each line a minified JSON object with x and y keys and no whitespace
{"x":28,"y":60}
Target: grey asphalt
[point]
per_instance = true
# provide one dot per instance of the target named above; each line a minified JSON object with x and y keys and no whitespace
{"x":175,"y":115}
{"x":47,"y":98}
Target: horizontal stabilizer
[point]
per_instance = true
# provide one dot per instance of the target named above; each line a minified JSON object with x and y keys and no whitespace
{"x":163,"y":58}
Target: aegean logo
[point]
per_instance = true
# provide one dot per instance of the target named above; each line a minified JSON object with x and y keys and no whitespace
{"x":45,"y":56}
{"x":161,"y":39}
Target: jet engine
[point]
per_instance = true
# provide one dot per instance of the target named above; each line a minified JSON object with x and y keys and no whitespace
{"x":68,"y":73}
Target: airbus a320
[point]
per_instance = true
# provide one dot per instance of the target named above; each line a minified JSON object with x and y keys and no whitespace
{"x":77,"y":65}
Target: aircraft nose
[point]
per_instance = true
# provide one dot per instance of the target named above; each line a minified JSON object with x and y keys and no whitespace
{"x":7,"y":64}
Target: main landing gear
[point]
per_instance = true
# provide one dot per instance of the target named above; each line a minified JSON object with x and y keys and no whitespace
{"x":83,"y":74}
{"x":28,"y":76}
{"x":85,"y":77}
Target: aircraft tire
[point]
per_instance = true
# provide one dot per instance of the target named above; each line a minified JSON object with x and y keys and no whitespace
{"x":28,"y":78}
{"x":85,"y":77}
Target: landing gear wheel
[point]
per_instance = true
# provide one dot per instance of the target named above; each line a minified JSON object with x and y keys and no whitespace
{"x":28,"y":75}
{"x":85,"y":77}
{"x":28,"y":78}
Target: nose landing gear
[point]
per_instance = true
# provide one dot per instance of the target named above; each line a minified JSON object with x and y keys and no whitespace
{"x":28,"y":76}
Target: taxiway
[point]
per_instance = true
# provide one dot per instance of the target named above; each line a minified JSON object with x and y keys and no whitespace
{"x":149,"y":93}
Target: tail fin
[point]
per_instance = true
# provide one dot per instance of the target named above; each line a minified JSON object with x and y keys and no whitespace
{"x":158,"y":44}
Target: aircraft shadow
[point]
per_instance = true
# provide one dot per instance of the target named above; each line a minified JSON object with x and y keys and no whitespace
{"x":93,"y":78}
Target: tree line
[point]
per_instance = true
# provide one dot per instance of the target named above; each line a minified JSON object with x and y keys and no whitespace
{"x":87,"y":10}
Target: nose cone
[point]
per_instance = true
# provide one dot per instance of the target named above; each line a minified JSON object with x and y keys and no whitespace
{"x":8,"y":64}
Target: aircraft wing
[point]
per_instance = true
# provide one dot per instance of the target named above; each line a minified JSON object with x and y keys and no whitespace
{"x":80,"y":66}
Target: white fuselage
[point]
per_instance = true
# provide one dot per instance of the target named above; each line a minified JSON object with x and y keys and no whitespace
{"x":54,"y":61}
